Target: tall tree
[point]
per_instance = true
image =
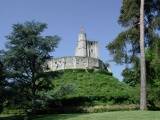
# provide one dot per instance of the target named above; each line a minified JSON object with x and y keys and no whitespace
{"x":125,"y":48}
{"x":25,"y":57}
{"x":143,"y":102}
{"x":126,"y":45}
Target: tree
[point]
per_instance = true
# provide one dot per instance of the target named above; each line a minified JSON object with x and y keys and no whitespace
{"x":25,"y":58}
{"x":143,"y":102}
{"x":125,"y":48}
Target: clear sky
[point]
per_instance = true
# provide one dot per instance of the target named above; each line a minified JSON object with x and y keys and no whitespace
{"x":64,"y":18}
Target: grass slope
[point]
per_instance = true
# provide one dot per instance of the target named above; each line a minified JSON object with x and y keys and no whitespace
{"x":98,"y":85}
{"x":121,"y":115}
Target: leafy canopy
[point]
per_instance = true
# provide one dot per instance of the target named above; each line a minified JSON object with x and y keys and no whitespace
{"x":125,"y":47}
{"x":25,"y":56}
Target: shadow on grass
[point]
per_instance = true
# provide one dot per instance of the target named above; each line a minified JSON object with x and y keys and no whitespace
{"x":57,"y":116}
{"x":18,"y":117}
{"x":42,"y":117}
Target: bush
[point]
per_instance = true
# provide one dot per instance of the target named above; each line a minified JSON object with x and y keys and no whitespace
{"x":1,"y":108}
{"x":13,"y":111}
{"x":87,"y":109}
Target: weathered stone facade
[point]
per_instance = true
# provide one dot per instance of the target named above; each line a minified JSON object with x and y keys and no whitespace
{"x":75,"y":62}
{"x":86,"y":57}
{"x":86,"y":48}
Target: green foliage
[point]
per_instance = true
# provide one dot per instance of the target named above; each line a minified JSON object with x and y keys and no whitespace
{"x":11,"y":117}
{"x":75,"y":88}
{"x":131,"y":76}
{"x":153,"y":69}
{"x":12,"y":111}
{"x":3,"y":84}
{"x":90,"y":84}
{"x":24,"y":59}
{"x":125,"y":47}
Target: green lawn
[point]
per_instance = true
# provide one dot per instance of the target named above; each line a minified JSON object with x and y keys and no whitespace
{"x":120,"y":115}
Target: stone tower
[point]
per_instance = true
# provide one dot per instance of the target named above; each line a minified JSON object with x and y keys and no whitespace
{"x":81,"y":49}
{"x":86,"y":48}
{"x":86,"y":56}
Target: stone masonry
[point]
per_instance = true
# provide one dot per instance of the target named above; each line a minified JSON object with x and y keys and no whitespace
{"x":86,"y":57}
{"x":75,"y":62}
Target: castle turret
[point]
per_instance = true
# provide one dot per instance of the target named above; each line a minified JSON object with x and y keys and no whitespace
{"x":81,"y":49}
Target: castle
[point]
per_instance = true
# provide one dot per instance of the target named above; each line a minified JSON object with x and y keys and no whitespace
{"x":86,"y":56}
{"x":86,"y":48}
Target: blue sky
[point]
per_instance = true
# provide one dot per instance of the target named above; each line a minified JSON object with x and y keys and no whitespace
{"x":64,"y":18}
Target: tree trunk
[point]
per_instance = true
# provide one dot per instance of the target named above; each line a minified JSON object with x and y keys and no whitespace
{"x":143,"y":102}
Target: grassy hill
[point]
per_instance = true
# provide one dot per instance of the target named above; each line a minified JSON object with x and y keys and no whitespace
{"x":90,"y":88}
{"x":82,"y":83}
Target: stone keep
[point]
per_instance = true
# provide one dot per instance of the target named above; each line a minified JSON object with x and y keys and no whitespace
{"x":86,"y":57}
{"x":86,"y":48}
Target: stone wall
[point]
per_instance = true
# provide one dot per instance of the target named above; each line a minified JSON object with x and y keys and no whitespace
{"x":92,"y":49}
{"x":75,"y":62}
